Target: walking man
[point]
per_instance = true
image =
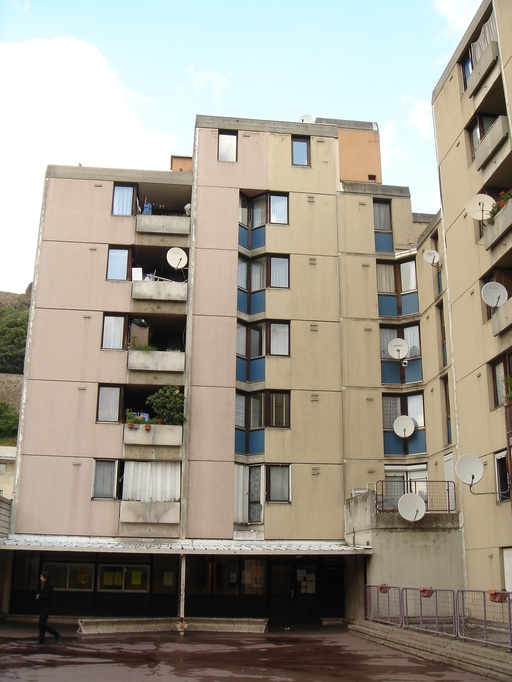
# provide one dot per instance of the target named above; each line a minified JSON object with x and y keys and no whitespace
{"x":44,"y":597}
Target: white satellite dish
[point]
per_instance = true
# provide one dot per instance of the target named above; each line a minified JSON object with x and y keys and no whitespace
{"x":403,"y":426}
{"x":431,"y":256}
{"x":479,"y":206}
{"x":177,"y":258}
{"x":306,"y":118}
{"x":469,"y":469}
{"x":398,"y":348}
{"x":411,"y":507}
{"x":494,"y":294}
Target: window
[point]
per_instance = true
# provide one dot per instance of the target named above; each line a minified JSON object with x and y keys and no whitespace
{"x":467,"y":68}
{"x":254,"y":413}
{"x":109,"y":398}
{"x":256,"y":275}
{"x":300,"y":151}
{"x":76,"y":577}
{"x":403,"y":479}
{"x":152,"y":481}
{"x":502,"y":478}
{"x":117,"y":266}
{"x":123,"y":578}
{"x":123,"y":200}
{"x":397,"y":289}
{"x":501,"y":373}
{"x":382,"y":226}
{"x":478,"y":130}
{"x":394,"y":406}
{"x":442,"y":329}
{"x":393,"y":370}
{"x":113,"y":332}
{"x":248,"y":494}
{"x":255,"y":213}
{"x":256,"y":341}
{"x":227,"y":146}
{"x":447,"y":412}
{"x":225,"y":575}
{"x":105,"y":479}
{"x":278,"y":483}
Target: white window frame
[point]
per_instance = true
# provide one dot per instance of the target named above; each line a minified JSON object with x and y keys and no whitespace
{"x":113,"y":332}
{"x":117,"y":266}
{"x":106,"y":404}
{"x":122,"y":201}
{"x":113,"y":463}
{"x":227,"y":150}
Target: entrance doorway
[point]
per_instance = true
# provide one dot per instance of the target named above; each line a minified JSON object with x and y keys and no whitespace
{"x":293,"y":592}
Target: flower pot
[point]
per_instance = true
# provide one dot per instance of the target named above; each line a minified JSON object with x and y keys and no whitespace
{"x":160,"y":422}
{"x":426,"y":591}
{"x":383,"y":589}
{"x":496,"y":596}
{"x":147,"y":427}
{"x":129,"y":425}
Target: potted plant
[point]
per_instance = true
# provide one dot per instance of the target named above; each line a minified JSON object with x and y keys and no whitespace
{"x":426,"y":591}
{"x":129,"y":418}
{"x":383,"y":588}
{"x":499,"y":203}
{"x":507,"y":380}
{"x":146,"y":347}
{"x":167,"y":404}
{"x":498,"y":596}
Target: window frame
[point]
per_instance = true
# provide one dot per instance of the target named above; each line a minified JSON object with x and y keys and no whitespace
{"x":404,"y":410}
{"x":399,"y":292}
{"x":269,"y":470}
{"x":225,"y":135}
{"x":302,"y":140}
{"x":400,"y":333}
{"x":116,"y":482}
{"x":502,"y":477}
{"x":123,"y":335}
{"x":50,"y":566}
{"x":499,"y":392}
{"x":123,"y":568}
{"x":133,"y":199}
{"x":101,"y":389}
{"x":111,"y":264}
{"x":478,"y":129}
{"x":274,"y":339}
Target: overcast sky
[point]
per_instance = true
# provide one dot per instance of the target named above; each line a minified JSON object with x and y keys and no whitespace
{"x":118,"y":83}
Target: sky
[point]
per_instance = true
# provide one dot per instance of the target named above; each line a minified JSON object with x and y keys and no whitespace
{"x":118,"y":83}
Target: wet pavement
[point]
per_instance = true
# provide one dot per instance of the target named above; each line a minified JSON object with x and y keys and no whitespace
{"x":307,"y":655}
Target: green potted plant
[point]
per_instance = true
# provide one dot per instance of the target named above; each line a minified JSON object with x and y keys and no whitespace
{"x":507,"y":380}
{"x":499,"y":203}
{"x":167,"y":404}
{"x":129,"y":418}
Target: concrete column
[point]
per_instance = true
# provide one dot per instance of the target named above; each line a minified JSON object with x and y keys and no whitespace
{"x":181,"y":612}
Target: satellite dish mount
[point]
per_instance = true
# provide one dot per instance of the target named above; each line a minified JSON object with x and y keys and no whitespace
{"x":470,"y":471}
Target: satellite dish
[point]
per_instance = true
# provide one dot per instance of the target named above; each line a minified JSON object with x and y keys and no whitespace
{"x":398,"y":348}
{"x":479,"y":206}
{"x":431,"y":256}
{"x":306,"y":118}
{"x":411,"y":507}
{"x":403,"y":426}
{"x":494,"y":294}
{"x":469,"y":469}
{"x":177,"y":258}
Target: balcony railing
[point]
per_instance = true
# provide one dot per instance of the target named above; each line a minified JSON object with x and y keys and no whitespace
{"x":439,"y":496}
{"x":167,"y":224}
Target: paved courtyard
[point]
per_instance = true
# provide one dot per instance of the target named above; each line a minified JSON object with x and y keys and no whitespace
{"x":316,"y":655}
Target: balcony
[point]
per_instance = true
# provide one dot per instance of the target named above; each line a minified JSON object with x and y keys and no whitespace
{"x":159,"y":289}
{"x":134,"y":511}
{"x":439,"y":496}
{"x":163,"y":224}
{"x":157,"y":435}
{"x":156,"y":361}
{"x":496,"y":135}
{"x":502,"y":224}
{"x":482,"y":68}
{"x":5,"y":516}
{"x":502,"y":318}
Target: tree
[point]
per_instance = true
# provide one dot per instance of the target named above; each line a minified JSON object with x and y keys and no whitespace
{"x":8,"y":420}
{"x":13,"y":337}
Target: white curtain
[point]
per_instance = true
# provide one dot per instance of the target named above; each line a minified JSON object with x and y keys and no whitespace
{"x":279,"y":272}
{"x":256,"y":411}
{"x":123,"y":200}
{"x":488,"y":34}
{"x":499,"y":378}
{"x":108,"y":403}
{"x":259,"y":211}
{"x":386,"y":335}
{"x":385,"y":278}
{"x":241,"y":493}
{"x":117,"y":264}
{"x":278,"y":209}
{"x":242,"y":274}
{"x":390,"y":410}
{"x":279,"y":409}
{"x":241,"y":336}
{"x":243,"y":208}
{"x":104,"y":478}
{"x":151,"y":481}
{"x":412,"y":336}
{"x":113,"y":328}
{"x":279,"y":483}
{"x":258,"y":275}
{"x":382,"y":216}
{"x":408,"y":276}
{"x":415,"y":409}
{"x":278,"y":339}
{"x":240,"y":410}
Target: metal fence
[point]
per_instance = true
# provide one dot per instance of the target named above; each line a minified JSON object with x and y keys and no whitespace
{"x":473,"y":615}
{"x":439,"y":496}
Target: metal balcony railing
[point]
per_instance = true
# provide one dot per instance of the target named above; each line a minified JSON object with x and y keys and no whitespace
{"x":439,"y":496}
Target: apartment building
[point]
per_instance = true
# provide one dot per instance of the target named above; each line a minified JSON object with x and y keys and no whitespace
{"x":472,"y":123}
{"x":299,"y":310}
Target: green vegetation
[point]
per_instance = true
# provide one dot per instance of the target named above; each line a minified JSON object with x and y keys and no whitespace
{"x":8,"y":424}
{"x":13,"y":337}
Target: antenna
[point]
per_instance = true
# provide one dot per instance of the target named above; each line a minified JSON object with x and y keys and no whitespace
{"x":411,"y":507}
{"x":177,"y":258}
{"x":399,"y":348}
{"x":470,"y":470}
{"x":431,"y":256}
{"x":494,"y":294}
{"x":403,"y":426}
{"x":306,"y":118}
